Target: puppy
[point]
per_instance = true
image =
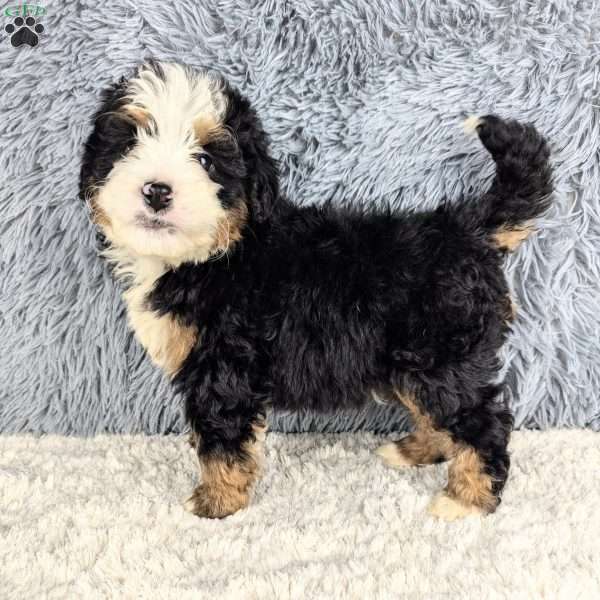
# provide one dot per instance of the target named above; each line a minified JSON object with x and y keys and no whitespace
{"x":247,"y":301}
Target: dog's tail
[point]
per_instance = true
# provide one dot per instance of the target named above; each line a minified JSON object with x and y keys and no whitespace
{"x":522,"y":187}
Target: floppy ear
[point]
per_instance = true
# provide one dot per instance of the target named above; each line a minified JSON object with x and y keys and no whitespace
{"x":262,"y":183}
{"x":112,"y":135}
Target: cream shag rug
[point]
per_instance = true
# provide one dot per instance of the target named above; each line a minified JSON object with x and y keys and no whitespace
{"x":102,"y":518}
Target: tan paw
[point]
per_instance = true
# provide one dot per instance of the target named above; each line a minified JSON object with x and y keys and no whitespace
{"x":392,"y":456}
{"x":216,"y":502}
{"x":447,"y":508}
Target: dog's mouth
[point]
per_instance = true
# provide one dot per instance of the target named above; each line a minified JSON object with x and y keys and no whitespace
{"x":153,"y":223}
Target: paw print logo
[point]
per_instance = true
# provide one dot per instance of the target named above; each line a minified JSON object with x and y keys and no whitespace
{"x":24,"y":31}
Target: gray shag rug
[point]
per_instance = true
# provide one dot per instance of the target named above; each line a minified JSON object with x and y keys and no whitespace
{"x":103,"y":518}
{"x":363,"y":101}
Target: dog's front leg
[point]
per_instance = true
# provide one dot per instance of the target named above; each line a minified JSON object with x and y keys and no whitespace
{"x":229,"y":446}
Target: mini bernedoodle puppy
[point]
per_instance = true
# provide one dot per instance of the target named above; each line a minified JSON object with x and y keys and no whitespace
{"x":248,"y":301}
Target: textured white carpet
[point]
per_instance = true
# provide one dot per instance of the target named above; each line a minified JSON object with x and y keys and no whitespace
{"x":102,"y":518}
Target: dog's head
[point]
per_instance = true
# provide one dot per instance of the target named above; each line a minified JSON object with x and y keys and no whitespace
{"x":176,"y":166}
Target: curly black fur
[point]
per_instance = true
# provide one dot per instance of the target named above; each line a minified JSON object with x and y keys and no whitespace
{"x":316,"y":307}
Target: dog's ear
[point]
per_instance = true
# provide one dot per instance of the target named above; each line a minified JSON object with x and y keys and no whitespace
{"x":112,"y":134}
{"x":262,"y":183}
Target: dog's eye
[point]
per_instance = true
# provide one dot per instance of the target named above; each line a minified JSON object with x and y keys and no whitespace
{"x":205,"y":160}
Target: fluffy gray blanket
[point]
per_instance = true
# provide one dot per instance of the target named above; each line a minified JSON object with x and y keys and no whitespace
{"x":363,"y":101}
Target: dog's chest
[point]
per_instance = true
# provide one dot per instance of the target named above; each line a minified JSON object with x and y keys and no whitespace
{"x":166,"y":340}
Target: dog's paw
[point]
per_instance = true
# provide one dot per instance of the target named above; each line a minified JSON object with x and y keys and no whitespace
{"x":216,"y":502}
{"x":448,"y":509}
{"x":391,"y":455}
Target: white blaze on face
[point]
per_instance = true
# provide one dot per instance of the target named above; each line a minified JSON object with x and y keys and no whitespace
{"x":168,"y":109}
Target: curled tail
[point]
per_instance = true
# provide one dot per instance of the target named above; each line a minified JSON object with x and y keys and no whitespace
{"x":522,"y":187}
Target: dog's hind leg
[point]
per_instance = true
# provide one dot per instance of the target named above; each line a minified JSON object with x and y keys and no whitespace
{"x":475,"y":442}
{"x":424,"y":446}
{"x":480,"y":463}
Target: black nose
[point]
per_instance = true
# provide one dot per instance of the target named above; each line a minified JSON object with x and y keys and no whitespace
{"x":157,"y":195}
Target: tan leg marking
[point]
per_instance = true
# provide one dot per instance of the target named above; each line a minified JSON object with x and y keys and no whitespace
{"x":468,"y":481}
{"x":424,"y":446}
{"x":227,"y":484}
{"x":510,"y":239}
{"x":469,"y":490}
{"x":392,"y":456}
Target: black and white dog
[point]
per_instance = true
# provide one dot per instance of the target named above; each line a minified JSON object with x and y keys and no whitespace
{"x":246,"y":300}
